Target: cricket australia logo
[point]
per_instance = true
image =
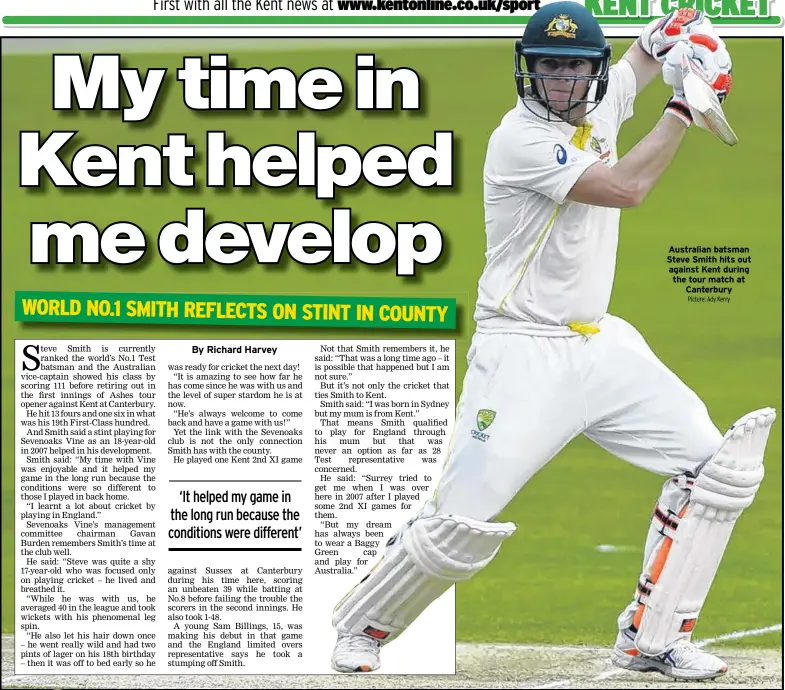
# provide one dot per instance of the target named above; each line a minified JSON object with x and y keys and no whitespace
{"x":484,"y":420}
{"x":562,"y":26}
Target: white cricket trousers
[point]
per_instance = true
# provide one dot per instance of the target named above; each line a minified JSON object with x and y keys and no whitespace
{"x":526,"y":396}
{"x":541,"y":392}
{"x":538,"y":393}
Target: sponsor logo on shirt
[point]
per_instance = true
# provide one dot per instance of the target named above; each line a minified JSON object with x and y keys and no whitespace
{"x":600,"y":146}
{"x":561,"y":154}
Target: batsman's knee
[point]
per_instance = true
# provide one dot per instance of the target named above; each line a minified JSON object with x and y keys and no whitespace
{"x":731,"y":478}
{"x":421,"y":561}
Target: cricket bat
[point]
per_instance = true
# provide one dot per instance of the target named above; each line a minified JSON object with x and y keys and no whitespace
{"x":706,"y":108}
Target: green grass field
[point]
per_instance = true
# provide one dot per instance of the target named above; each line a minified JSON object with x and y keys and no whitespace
{"x":549,"y":584}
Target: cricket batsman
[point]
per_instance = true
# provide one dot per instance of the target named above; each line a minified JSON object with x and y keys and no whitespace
{"x":547,"y":362}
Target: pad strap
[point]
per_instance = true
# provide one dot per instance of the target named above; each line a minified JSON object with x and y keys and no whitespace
{"x":666,"y":521}
{"x":643,"y":590}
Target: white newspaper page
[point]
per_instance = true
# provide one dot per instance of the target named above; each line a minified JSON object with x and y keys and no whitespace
{"x":391,"y":343}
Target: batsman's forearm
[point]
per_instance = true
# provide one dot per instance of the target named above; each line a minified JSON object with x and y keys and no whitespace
{"x":645,"y":163}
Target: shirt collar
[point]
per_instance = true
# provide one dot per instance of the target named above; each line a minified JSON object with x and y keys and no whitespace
{"x":539,"y":109}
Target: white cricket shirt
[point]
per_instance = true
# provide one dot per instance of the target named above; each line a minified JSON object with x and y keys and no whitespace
{"x":549,"y":261}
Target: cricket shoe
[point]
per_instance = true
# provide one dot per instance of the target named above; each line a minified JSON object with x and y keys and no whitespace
{"x":683,"y":660}
{"x":355,"y":654}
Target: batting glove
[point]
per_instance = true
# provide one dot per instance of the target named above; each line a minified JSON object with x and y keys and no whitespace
{"x":715,"y":63}
{"x":686,"y":24}
{"x":713,"y":66}
{"x":672,"y":75}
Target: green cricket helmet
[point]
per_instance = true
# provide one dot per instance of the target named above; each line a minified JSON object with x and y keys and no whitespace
{"x":563,"y":30}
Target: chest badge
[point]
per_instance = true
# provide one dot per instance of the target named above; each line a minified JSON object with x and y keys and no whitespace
{"x":600,"y":146}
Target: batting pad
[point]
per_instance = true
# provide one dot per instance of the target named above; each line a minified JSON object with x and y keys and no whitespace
{"x":419,"y":565}
{"x":725,"y":486}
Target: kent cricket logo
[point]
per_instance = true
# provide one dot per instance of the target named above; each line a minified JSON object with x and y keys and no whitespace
{"x":750,"y":12}
{"x":562,"y":26}
{"x":484,"y":420}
